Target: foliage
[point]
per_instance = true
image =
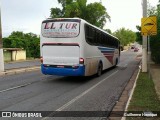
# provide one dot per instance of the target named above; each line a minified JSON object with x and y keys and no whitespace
{"x":80,"y":8}
{"x":108,"y":30}
{"x":125,"y":36}
{"x":138,"y":35}
{"x":29,"y":41}
{"x":98,"y":17}
{"x":155,"y":40}
{"x":56,"y":12}
{"x":151,"y":10}
{"x":155,"y":48}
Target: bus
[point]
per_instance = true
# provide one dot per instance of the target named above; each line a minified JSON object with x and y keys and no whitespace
{"x":74,"y":47}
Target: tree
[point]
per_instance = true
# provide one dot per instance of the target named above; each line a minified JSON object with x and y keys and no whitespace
{"x":56,"y":13}
{"x":151,"y":10}
{"x":108,"y":30}
{"x":29,"y":41}
{"x":155,"y":48}
{"x":138,"y":34}
{"x":155,"y":40}
{"x":125,"y":36}
{"x":79,"y":8}
{"x":98,"y":17}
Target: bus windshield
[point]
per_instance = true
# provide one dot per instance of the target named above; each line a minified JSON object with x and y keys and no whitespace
{"x":60,"y":29}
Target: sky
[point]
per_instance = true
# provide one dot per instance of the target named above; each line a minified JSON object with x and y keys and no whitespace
{"x":27,"y":15}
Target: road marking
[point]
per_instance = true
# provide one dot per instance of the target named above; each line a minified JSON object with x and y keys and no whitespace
{"x":84,"y":93}
{"x":15,"y":87}
{"x":81,"y":95}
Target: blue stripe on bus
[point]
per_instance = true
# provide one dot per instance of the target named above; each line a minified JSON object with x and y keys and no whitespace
{"x":80,"y":71}
{"x":108,"y":53}
{"x":105,"y":48}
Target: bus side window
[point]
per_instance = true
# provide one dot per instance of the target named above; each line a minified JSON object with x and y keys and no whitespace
{"x":88,"y":32}
{"x":108,"y":41}
{"x":96,"y":37}
{"x":91,"y":35}
{"x":103,"y":40}
{"x":114,"y":43}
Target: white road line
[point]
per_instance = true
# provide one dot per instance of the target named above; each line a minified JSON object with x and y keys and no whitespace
{"x":15,"y":87}
{"x":81,"y":95}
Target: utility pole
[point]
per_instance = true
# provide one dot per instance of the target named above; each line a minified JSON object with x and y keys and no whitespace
{"x":144,"y":46}
{"x":1,"y":46}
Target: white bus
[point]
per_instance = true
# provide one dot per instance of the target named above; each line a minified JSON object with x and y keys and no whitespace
{"x":74,"y":47}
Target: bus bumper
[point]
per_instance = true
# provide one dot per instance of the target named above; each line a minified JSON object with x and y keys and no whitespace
{"x":80,"y":71}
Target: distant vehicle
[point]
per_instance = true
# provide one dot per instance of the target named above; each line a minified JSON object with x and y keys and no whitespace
{"x":136,"y":49}
{"x":73,"y":47}
{"x":132,"y":47}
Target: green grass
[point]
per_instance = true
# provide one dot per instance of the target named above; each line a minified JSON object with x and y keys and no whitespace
{"x":144,"y":97}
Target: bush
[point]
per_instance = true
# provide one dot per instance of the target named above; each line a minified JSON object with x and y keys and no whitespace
{"x":155,"y":49}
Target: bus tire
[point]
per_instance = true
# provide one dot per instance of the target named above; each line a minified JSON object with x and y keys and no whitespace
{"x":100,"y":68}
{"x":116,"y":62}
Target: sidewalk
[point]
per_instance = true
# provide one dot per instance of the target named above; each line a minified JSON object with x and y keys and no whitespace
{"x":155,"y":74}
{"x":20,"y":66}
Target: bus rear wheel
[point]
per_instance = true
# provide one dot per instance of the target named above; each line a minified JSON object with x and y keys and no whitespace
{"x":116,"y":62}
{"x":99,"y":71}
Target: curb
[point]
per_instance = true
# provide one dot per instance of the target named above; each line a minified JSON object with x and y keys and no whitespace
{"x":131,"y":94}
{"x":19,"y":70}
{"x":124,"y":100}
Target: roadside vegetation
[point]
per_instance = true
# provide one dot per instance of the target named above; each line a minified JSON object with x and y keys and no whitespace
{"x":29,"y":42}
{"x":144,"y":98}
{"x":126,"y":36}
{"x":154,"y":40}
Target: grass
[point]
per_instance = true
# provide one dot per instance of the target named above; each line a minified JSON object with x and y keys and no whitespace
{"x":144,"y":98}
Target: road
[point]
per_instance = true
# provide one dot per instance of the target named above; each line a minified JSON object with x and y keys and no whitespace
{"x":22,"y":64}
{"x":33,"y":91}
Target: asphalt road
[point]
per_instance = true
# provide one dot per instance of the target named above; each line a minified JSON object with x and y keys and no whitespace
{"x":22,"y":64}
{"x":33,"y":91}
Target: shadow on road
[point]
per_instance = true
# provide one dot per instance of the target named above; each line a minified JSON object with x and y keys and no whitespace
{"x":75,"y":79}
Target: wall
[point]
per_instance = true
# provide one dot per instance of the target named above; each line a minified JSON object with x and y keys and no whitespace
{"x":18,"y":55}
{"x":7,"y":55}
